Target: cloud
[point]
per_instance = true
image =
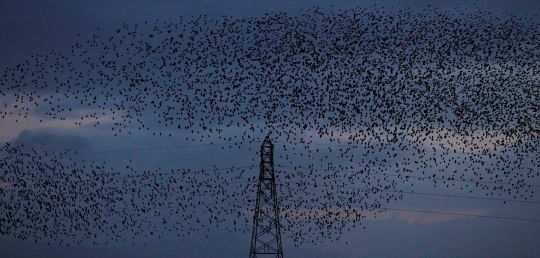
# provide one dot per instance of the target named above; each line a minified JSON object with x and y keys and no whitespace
{"x":46,"y":139}
{"x":437,"y":139}
{"x":14,"y":120}
{"x":414,"y":217}
{"x":410,"y":216}
{"x":473,"y":142}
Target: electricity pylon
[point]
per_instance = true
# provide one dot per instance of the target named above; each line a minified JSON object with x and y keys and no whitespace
{"x":266,"y":237}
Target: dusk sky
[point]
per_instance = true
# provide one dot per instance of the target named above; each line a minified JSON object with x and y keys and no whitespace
{"x":439,"y":160}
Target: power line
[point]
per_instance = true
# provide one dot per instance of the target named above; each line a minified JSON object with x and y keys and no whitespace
{"x":300,"y":167}
{"x":370,"y":189}
{"x":148,"y":149}
{"x":430,"y":194}
{"x":425,"y":150}
{"x":251,"y":166}
{"x":406,"y":176}
{"x":290,"y":142}
{"x":10,"y":187}
{"x":460,"y":214}
{"x":380,"y":208}
{"x":441,"y":213}
{"x":189,"y":171}
{"x":166,"y":207}
{"x":449,"y":195}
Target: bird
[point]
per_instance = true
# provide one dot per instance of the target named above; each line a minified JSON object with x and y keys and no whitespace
{"x":363,"y":104}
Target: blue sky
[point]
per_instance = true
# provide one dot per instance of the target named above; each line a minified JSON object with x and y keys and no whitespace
{"x":32,"y":28}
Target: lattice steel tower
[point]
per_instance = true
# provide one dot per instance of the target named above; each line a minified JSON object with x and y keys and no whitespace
{"x":266,"y":237}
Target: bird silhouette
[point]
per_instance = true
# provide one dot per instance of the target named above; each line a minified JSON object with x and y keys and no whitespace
{"x":364,"y":104}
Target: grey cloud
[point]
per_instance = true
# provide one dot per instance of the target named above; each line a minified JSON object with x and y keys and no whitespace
{"x":43,"y":139}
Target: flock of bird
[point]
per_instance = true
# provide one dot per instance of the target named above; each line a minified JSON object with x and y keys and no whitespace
{"x":360,"y":104}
